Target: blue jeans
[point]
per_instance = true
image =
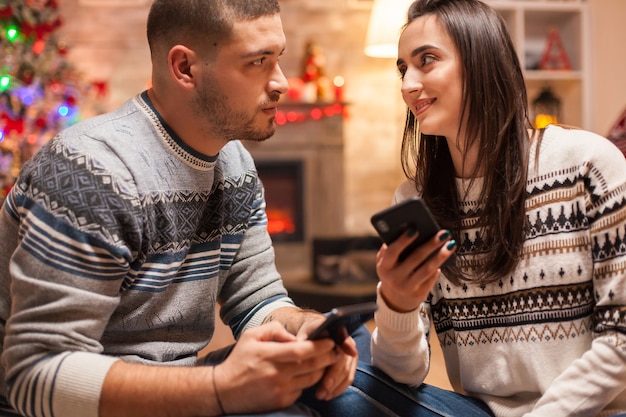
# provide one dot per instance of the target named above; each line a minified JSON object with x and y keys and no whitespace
{"x":374,"y":394}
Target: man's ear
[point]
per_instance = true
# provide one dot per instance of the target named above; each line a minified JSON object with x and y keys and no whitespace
{"x":180,"y":61}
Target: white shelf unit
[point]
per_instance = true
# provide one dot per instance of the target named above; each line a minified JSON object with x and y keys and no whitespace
{"x":530,"y":22}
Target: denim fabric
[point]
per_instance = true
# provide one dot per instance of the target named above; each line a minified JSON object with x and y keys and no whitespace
{"x":296,"y":410}
{"x":373,"y":394}
{"x":362,"y":337}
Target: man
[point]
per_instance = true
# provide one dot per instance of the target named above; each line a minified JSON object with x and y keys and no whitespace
{"x":123,"y":233}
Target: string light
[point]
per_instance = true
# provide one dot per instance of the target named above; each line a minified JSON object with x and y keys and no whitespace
{"x":316,"y":113}
{"x":5,"y":82}
{"x":39,"y":46}
{"x":12,"y":33}
{"x":63,"y":110}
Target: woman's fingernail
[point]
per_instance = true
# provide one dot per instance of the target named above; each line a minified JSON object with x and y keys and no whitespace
{"x":451,"y":244}
{"x":412,"y":232}
{"x":444,"y":236}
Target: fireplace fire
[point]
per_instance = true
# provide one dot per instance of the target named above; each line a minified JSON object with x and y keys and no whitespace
{"x":283,"y":183}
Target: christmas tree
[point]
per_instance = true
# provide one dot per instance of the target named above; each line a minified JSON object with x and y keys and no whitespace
{"x":41,"y":92}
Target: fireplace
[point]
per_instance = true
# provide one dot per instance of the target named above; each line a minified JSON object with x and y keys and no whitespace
{"x":302,"y":171}
{"x":284,"y":196}
{"x":301,"y":167}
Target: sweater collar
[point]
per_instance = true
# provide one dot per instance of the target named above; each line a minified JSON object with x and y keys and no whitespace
{"x":171,"y":140}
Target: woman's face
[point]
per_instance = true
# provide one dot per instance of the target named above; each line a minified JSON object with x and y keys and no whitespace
{"x":430,"y":67}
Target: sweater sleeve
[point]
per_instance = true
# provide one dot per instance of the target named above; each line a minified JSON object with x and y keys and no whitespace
{"x":65,"y":284}
{"x":55,"y":311}
{"x":252,"y":287}
{"x":590,"y":384}
{"x":399,"y":343}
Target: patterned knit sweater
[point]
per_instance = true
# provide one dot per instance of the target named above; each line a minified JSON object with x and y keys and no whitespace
{"x":116,"y":242}
{"x":550,"y":338}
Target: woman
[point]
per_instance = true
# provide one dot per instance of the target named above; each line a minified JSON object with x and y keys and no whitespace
{"x":531,"y":315}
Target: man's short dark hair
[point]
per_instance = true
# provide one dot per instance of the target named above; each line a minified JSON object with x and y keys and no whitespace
{"x":172,"y":22}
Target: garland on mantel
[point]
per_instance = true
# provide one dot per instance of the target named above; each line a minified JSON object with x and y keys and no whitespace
{"x":316,"y":112}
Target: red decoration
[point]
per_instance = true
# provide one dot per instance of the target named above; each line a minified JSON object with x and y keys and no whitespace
{"x":296,"y":85}
{"x":339,"y":92}
{"x":315,"y":113}
{"x":101,"y":87}
{"x":618,"y":133}
{"x":554,"y":56}
{"x":41,"y":123}
{"x":39,"y":46}
{"x":12,"y":124}
{"x":6,"y":12}
{"x":314,"y":62}
{"x":37,"y":4}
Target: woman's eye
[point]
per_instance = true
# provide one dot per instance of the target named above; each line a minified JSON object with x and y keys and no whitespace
{"x":427,"y":59}
{"x":401,"y":72}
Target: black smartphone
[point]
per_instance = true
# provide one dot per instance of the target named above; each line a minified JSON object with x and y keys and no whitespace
{"x":343,"y":321}
{"x":392,"y":222}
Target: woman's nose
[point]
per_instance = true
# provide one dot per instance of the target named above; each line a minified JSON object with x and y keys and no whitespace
{"x":411,"y":82}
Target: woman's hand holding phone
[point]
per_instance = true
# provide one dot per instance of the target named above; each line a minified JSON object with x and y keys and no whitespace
{"x":409,"y":262}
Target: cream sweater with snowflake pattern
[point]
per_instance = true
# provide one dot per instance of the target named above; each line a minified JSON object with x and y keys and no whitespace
{"x":550,"y":338}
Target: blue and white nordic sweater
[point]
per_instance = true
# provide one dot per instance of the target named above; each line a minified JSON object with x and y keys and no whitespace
{"x":550,"y":338}
{"x":116,"y":242}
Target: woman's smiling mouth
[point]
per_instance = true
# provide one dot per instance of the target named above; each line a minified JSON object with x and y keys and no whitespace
{"x":422,"y":105}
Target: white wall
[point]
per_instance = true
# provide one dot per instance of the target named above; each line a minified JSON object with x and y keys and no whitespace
{"x":608,"y":62}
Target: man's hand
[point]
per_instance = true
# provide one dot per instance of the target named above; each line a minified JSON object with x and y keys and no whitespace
{"x":269,"y":368}
{"x":340,"y":375}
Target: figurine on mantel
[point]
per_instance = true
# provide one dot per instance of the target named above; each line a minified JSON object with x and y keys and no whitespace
{"x":317,"y":86}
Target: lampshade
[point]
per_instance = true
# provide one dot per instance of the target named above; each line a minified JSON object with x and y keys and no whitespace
{"x":386,"y":21}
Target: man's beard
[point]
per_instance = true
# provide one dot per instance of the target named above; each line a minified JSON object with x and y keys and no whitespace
{"x":226,"y":122}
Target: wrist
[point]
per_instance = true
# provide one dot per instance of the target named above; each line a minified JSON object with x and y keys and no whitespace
{"x":219,"y":406}
{"x":394,"y":306}
{"x":291,"y":317}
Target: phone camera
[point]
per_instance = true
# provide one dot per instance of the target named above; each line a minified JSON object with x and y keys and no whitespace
{"x":382,"y":226}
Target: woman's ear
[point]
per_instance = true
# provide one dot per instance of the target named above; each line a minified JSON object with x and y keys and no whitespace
{"x":180,"y":61}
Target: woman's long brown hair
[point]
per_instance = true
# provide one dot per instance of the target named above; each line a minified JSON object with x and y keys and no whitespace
{"x":496,"y":110}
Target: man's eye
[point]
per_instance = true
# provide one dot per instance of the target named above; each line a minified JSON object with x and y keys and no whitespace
{"x":259,"y":61}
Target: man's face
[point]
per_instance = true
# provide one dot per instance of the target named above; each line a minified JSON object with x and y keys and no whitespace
{"x":240,"y":90}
